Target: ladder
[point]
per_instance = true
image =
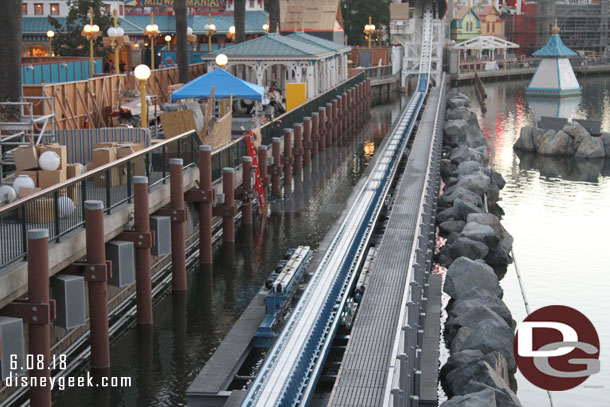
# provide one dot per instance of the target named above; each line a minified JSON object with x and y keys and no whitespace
{"x":258,"y":182}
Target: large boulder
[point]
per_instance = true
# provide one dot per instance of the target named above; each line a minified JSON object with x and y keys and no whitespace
{"x":591,"y":147}
{"x":488,"y":335}
{"x":466,"y":247}
{"x":462,"y":113}
{"x":606,"y":140}
{"x":458,"y":359}
{"x":463,"y":153}
{"x":458,"y":101}
{"x":577,"y":133}
{"x":481,"y":233}
{"x":483,"y":398}
{"x":450,"y":195}
{"x":465,"y":274}
{"x":451,"y":226}
{"x":540,"y":140}
{"x":475,"y":298}
{"x":461,"y":209}
{"x":461,"y":133}
{"x":525,"y":142}
{"x":446,"y":215}
{"x":448,"y":168}
{"x":469,"y":167}
{"x":457,"y":379}
{"x":490,"y":220}
{"x":476,"y":182}
{"x":475,"y":314}
{"x":554,"y":144}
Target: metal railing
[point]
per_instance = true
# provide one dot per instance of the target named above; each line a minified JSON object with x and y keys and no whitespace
{"x":479,"y":64}
{"x":377,"y":73}
{"x":60,"y":208}
{"x":275,"y":127}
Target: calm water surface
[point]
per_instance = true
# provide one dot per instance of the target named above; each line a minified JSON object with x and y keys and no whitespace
{"x":188,"y":330}
{"x":558,"y":211}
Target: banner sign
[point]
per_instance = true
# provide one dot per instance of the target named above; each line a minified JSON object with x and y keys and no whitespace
{"x":212,"y":4}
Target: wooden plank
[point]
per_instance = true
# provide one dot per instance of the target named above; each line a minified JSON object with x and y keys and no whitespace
{"x":64,"y":112}
{"x":92,"y":96}
{"x":80,"y":97}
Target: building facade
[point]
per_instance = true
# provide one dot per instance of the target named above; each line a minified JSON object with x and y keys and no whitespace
{"x":491,"y":23}
{"x":465,"y":25}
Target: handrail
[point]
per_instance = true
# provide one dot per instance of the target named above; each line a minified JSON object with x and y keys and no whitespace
{"x":96,"y":171}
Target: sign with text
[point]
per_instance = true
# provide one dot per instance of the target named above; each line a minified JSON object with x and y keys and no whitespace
{"x":212,"y":4}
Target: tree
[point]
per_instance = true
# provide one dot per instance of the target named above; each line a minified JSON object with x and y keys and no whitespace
{"x":181,"y":42}
{"x":273,"y":8}
{"x":68,"y":41}
{"x":10,"y":57}
{"x":356,"y":15}
{"x":239,"y":15}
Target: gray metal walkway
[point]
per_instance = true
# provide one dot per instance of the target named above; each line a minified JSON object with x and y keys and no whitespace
{"x":363,"y":377}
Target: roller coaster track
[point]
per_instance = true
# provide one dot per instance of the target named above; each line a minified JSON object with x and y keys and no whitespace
{"x":291,"y":369}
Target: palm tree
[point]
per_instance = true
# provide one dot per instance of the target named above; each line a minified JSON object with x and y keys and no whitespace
{"x":239,"y":16}
{"x":10,"y":56}
{"x":181,"y":42}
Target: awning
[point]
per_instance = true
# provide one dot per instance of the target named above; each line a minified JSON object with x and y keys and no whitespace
{"x":225,"y":83}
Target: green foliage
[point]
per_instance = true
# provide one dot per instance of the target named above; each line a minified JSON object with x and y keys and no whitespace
{"x":356,"y":15}
{"x":68,"y":40}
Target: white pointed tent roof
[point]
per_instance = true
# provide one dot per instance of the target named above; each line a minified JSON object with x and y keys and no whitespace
{"x":485,"y":42}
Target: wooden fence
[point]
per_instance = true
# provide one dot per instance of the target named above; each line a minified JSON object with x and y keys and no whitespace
{"x":92,"y":101}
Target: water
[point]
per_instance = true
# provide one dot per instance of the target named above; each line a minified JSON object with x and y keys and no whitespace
{"x":187,"y":330}
{"x":557,"y":210}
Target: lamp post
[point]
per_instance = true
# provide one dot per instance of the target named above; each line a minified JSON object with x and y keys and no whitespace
{"x":51,"y":34}
{"x":369,"y":30}
{"x":231,"y":33}
{"x":211,"y":29}
{"x":142,"y":73}
{"x":222,"y":61}
{"x":168,"y":39}
{"x":116,"y":34}
{"x":152,"y":30}
{"x":91,"y":32}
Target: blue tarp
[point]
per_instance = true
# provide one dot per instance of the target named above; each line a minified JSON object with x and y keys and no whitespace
{"x":225,"y":83}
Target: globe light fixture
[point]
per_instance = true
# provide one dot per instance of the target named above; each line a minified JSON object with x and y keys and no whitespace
{"x":211,"y":29}
{"x":222,"y":60}
{"x":142,"y":73}
{"x":231,"y":33}
{"x":91,"y":32}
{"x":369,"y":30}
{"x":168,"y":39}
{"x":152,"y":31}
{"x":50,"y":35}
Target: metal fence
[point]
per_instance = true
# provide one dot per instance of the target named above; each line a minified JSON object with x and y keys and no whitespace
{"x":60,"y":208}
{"x":275,"y":127}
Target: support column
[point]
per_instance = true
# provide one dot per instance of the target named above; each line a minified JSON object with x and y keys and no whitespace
{"x":315,"y":133}
{"x":96,"y":276}
{"x":306,"y":140}
{"x":228,"y":220}
{"x":329,"y":124}
{"x":262,"y":168}
{"x":143,"y":273}
{"x":276,"y":177}
{"x":39,"y":333}
{"x":176,"y":175}
{"x":322,"y":128}
{"x":287,"y":156}
{"x":343,"y":111}
{"x":205,"y":206}
{"x":246,"y":197}
{"x":297,"y":150}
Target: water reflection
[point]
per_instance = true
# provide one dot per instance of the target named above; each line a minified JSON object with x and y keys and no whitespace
{"x":187,"y":329}
{"x":557,"y":210}
{"x":553,"y":107}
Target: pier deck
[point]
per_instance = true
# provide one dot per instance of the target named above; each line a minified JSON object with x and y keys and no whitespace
{"x":363,"y":376}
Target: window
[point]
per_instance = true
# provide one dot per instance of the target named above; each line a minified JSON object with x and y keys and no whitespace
{"x":25,"y":9}
{"x":54,"y":9}
{"x":493,"y":27}
{"x":251,"y":3}
{"x":121,"y":9}
{"x":488,"y":27}
{"x":38,"y":9}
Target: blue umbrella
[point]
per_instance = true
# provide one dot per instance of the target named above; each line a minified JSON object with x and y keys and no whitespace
{"x":225,"y":85}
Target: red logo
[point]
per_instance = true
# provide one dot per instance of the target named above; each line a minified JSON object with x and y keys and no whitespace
{"x":556,"y":348}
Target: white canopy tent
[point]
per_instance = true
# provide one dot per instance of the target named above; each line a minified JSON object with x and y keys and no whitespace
{"x":486,"y":42}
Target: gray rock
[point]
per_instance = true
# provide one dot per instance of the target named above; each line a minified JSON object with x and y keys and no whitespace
{"x":488,"y":219}
{"x":554,"y":143}
{"x":466,"y":247}
{"x":446,"y":215}
{"x":606,"y":140}
{"x":591,"y":147}
{"x":489,"y":335}
{"x":481,"y":233}
{"x":461,"y":133}
{"x":469,"y":167}
{"x":481,"y":370}
{"x":525,"y":142}
{"x":469,"y":319}
{"x":464,"y":153}
{"x":458,"y":101}
{"x":497,"y":179}
{"x":461,"y":358}
{"x":480,"y":298}
{"x":462,"y":113}
{"x":466,"y":274}
{"x":539,"y":141}
{"x":476,"y":182}
{"x":483,"y":398}
{"x":459,"y":192}
{"x":461,"y":209}
{"x":451,"y":226}
{"x":577,"y":133}
{"x":447,"y":168}
{"x":484,"y":153}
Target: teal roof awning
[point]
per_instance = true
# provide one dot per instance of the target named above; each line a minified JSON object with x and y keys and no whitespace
{"x":555,"y":48}
{"x":225,"y":84}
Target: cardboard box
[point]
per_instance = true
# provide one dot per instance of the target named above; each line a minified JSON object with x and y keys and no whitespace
{"x":25,"y":157}
{"x":47,"y":179}
{"x":40,"y":210}
{"x":62,"y":152}
{"x":108,"y":144}
{"x":23,"y":191}
{"x":73,"y":170}
{"x":117,"y":177}
{"x":103,"y":156}
{"x":73,"y":191}
{"x":31,"y":174}
{"x":123,"y":150}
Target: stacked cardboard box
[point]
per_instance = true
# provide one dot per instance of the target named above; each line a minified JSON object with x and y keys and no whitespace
{"x":105,"y":153}
{"x":26,"y":162}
